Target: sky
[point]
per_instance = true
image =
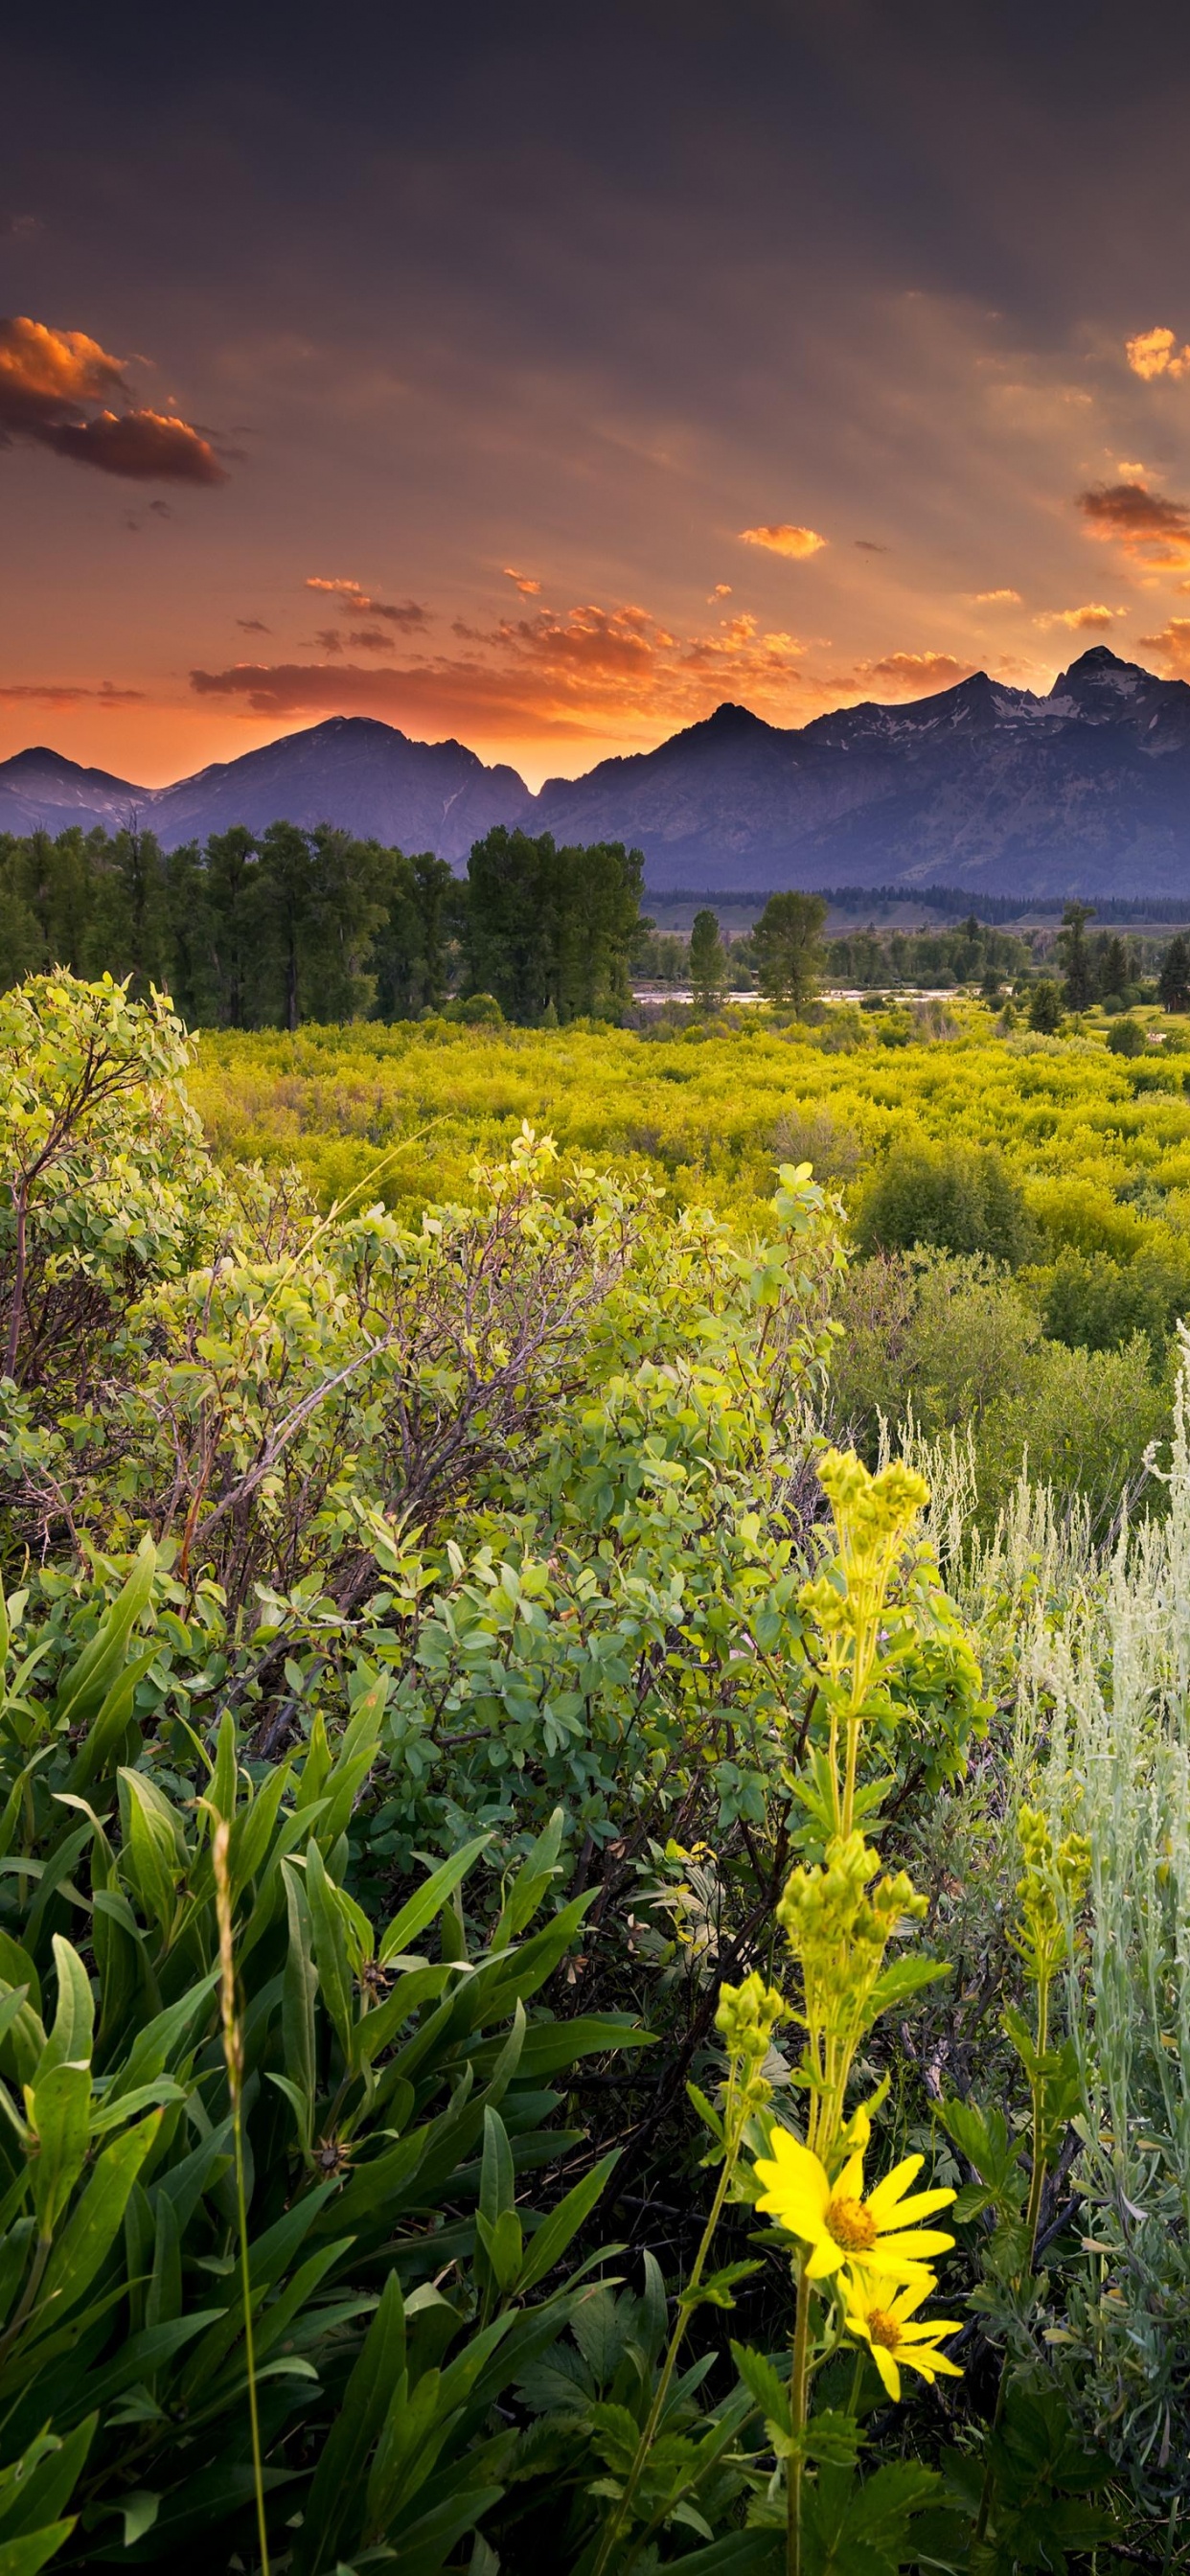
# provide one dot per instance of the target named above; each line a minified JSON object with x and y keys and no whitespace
{"x":544,"y":376}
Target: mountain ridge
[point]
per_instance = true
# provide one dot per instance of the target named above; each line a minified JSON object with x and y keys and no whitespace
{"x":1083,"y":790}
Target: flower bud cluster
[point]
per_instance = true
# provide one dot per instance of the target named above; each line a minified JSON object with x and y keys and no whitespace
{"x":873,"y":1509}
{"x":747,"y":2017}
{"x":1052,"y":1888}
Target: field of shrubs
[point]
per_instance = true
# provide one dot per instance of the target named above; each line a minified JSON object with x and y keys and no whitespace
{"x":594,"y":1800}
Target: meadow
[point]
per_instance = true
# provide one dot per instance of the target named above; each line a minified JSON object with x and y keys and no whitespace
{"x":595,"y":1888}
{"x":1063,"y":1353}
{"x":709,"y":1107}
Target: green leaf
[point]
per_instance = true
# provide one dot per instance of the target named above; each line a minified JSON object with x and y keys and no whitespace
{"x":330,"y":1947}
{"x":429,"y":1899}
{"x":528,"y":1888}
{"x":61,"y":2107}
{"x":82,"y":1695}
{"x":299,"y":1989}
{"x":335,"y":2497}
{"x":73,"y":2029}
{"x":95,"y":2224}
{"x":551,"y":2239}
{"x":47,"y":2485}
{"x":902,"y":1979}
{"x":502,"y":2242}
{"x":764,"y":2384}
{"x":24,"y":2557}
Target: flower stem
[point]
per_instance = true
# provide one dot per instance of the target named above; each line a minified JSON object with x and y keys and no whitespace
{"x":1037,"y":2088}
{"x":669,"y":2365}
{"x":797,"y":2423}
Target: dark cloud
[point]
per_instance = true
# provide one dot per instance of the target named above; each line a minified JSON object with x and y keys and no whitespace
{"x":868,"y":546}
{"x":48,"y":379}
{"x":66,"y":693}
{"x":143,"y":446}
{"x":253,"y":626}
{"x":1145,"y":523}
{"x":371,"y":639}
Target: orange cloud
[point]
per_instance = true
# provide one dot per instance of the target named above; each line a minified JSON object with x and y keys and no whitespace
{"x":547,"y":675}
{"x":798,"y":542}
{"x":1155,"y":353}
{"x":44,"y":373}
{"x":528,"y":588}
{"x":1173,"y":644}
{"x":47,"y":380}
{"x":997,"y":598}
{"x":589,"y":675}
{"x":1082,"y":620}
{"x":1153,"y":530}
{"x":405,"y":613}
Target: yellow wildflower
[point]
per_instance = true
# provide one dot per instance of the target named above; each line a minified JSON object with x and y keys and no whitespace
{"x":898,"y":2341}
{"x":836,"y":2221}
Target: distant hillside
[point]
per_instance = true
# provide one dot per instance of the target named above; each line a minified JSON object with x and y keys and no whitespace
{"x":358,"y":773}
{"x":365,"y":776}
{"x":1085,"y":791}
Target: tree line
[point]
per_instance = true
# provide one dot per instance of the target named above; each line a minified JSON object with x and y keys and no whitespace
{"x":267,"y":930}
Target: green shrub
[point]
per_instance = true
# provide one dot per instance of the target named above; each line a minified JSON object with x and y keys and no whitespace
{"x":477,"y":1011}
{"x":1126,"y":1037}
{"x":937,"y":1334}
{"x":1097,"y":1304}
{"x":956,"y":1199}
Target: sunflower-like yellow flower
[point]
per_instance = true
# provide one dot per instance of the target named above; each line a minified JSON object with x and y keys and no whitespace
{"x":887,"y":2324}
{"x":836,"y":2221}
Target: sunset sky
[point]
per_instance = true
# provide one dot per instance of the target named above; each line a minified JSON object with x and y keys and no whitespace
{"x":543,"y":376}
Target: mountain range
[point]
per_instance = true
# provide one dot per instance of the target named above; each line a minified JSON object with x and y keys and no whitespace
{"x":1083,"y":791}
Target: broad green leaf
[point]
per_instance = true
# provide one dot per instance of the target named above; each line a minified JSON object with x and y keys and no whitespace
{"x":95,"y":2224}
{"x":60,"y":2111}
{"x":82,"y":1695}
{"x":333,"y":2506}
{"x":429,"y":1899}
{"x":550,"y":2240}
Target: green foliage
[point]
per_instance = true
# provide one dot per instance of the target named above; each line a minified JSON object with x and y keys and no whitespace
{"x":1045,"y":1006}
{"x":1173,"y":981}
{"x":391,"y":2098}
{"x":547,"y":926}
{"x":708,"y":963}
{"x":952,"y":1198}
{"x":1126,"y":1037}
{"x":787,"y":946}
{"x":1079,"y":982}
{"x":471,"y":1569}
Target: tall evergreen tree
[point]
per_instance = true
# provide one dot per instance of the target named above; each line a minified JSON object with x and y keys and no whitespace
{"x":1079,"y":985}
{"x":1173,"y":982}
{"x":1112,"y":973}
